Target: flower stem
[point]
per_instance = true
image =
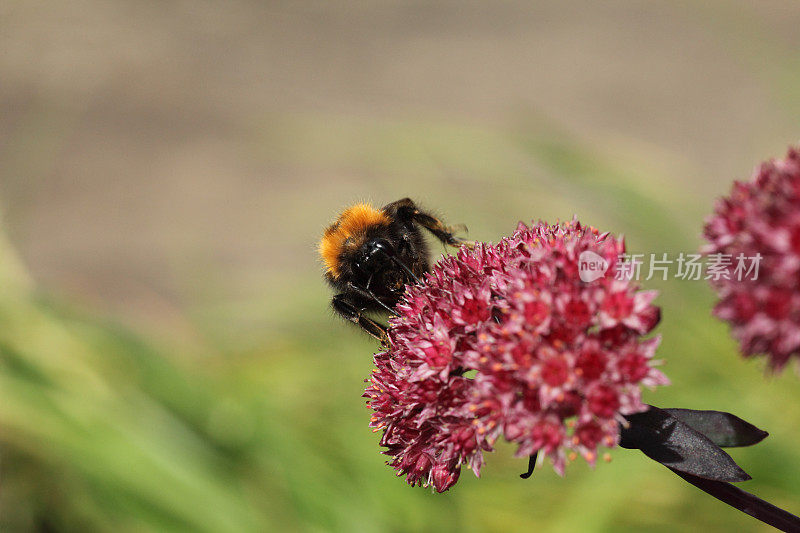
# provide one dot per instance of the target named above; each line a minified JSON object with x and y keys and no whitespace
{"x":531,"y":465}
{"x":745,"y":502}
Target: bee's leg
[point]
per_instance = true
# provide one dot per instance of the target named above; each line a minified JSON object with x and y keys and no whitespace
{"x":446,"y":234}
{"x":345,"y":308}
{"x":366,"y":293}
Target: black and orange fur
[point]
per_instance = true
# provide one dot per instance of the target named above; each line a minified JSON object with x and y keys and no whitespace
{"x":371,"y":254}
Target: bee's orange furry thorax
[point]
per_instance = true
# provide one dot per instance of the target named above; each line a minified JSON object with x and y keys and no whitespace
{"x":348,"y":231}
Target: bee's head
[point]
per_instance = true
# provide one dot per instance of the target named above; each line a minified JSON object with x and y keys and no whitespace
{"x":374,"y":256}
{"x":345,"y":241}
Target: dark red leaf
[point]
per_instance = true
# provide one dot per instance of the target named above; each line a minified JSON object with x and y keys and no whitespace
{"x":673,"y":443}
{"x":724,"y":429}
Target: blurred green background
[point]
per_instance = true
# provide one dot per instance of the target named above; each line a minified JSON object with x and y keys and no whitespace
{"x":167,"y":358}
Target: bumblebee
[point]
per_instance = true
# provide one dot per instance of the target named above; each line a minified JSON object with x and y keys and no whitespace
{"x":371,"y":254}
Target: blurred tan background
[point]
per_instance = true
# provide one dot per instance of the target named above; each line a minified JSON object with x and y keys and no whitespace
{"x":158,"y":156}
{"x":167,"y":167}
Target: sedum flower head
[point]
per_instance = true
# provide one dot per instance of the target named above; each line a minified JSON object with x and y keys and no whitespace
{"x":506,"y":340}
{"x":761,"y":217}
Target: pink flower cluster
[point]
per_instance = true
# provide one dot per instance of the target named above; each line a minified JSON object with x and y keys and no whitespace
{"x":762,"y":216}
{"x":506,"y":340}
